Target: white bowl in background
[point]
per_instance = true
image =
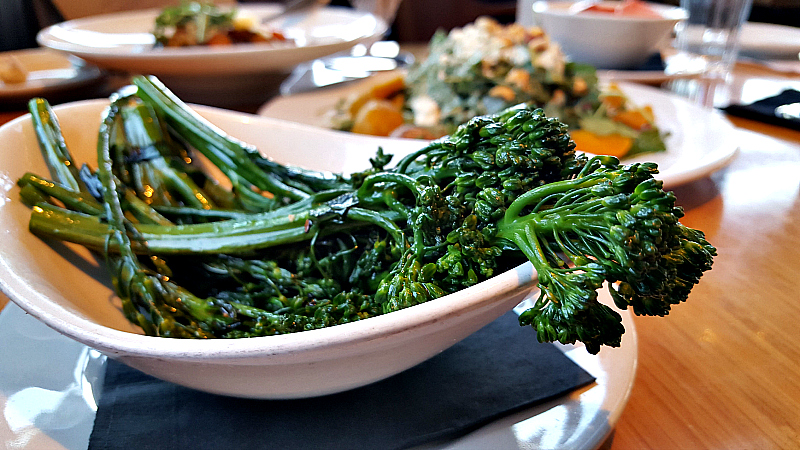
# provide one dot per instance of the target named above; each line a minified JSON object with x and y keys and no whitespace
{"x":68,"y":288}
{"x":606,"y":41}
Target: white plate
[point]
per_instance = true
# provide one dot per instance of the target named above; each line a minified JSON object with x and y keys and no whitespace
{"x":767,"y":40}
{"x":699,"y":141}
{"x":123,"y":41}
{"x":49,"y":72}
{"x":50,"y":386}
{"x":764,"y":41}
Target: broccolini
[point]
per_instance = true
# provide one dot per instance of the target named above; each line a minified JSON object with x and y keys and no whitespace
{"x":287,"y":249}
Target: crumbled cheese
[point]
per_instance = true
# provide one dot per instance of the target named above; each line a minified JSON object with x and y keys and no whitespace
{"x":426,"y":111}
{"x":551,"y":60}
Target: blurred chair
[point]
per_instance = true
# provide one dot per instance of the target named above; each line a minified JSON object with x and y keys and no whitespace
{"x":20,"y":20}
{"x":418,"y":20}
{"x":783,"y":12}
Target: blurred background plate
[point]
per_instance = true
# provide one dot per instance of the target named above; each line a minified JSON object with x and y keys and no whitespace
{"x":49,"y":73}
{"x":123,"y":42}
{"x":766,"y":40}
{"x":699,"y":141}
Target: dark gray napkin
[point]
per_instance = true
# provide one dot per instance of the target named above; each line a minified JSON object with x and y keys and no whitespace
{"x":767,"y":110}
{"x":653,"y":63}
{"x":496,"y":371}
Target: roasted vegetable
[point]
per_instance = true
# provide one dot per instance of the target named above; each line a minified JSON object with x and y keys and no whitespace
{"x":327,"y":249}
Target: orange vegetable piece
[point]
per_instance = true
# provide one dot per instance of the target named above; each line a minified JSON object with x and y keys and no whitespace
{"x":380,"y":91}
{"x":611,"y":144}
{"x":377,"y":118}
{"x":388,"y":88}
{"x":219,"y":39}
{"x":398,"y":100}
{"x":633,"y":118}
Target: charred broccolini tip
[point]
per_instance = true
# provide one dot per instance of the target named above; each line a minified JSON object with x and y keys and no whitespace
{"x":610,"y":223}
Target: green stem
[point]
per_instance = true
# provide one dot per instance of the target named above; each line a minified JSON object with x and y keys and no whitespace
{"x":230,"y":155}
{"x":54,"y":148}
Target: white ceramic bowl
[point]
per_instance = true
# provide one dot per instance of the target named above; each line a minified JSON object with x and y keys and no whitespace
{"x":606,"y":41}
{"x":67,"y":287}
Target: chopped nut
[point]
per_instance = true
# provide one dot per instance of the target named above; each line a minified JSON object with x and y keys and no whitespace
{"x":579,"y":86}
{"x":520,"y":78}
{"x":504,"y":92}
{"x":559,"y":98}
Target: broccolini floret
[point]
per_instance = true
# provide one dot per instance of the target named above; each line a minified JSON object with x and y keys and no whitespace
{"x":610,"y":223}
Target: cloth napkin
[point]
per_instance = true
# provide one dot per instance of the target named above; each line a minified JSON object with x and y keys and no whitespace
{"x":498,"y":370}
{"x":768,"y":110}
{"x":654,"y":63}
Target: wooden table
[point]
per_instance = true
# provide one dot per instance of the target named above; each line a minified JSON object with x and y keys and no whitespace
{"x":723,"y":370}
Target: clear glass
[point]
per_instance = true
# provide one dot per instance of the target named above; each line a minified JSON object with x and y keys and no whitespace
{"x":709,"y":39}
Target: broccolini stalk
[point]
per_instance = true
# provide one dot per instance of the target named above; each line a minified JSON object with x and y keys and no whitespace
{"x":74,"y":200}
{"x":48,"y":133}
{"x":615,"y":224}
{"x":290,"y":224}
{"x":141,"y":152}
{"x":245,"y":160}
{"x":233,"y":157}
{"x":67,"y":185}
{"x":67,"y":176}
{"x":149,"y":299}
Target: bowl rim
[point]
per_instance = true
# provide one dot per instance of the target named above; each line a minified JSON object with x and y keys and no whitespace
{"x":669,"y":13}
{"x":116,"y":342}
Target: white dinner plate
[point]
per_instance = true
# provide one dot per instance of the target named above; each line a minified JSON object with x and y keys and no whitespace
{"x":48,"y":73}
{"x":763,"y":41}
{"x":767,"y":40}
{"x":123,"y":41}
{"x":49,"y":384}
{"x":699,"y":141}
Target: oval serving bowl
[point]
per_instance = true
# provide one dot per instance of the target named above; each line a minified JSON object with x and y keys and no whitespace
{"x":67,"y":287}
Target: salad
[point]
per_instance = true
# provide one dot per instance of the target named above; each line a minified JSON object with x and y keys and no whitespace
{"x":200,"y":23}
{"x":486,"y":67}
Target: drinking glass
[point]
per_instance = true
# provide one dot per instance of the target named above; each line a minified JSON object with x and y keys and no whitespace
{"x":708,"y":42}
